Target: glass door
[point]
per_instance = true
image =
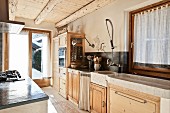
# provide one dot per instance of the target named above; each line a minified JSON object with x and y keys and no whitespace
{"x":40,"y":55}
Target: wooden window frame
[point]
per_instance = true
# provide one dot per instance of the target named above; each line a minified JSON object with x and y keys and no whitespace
{"x":141,"y":70}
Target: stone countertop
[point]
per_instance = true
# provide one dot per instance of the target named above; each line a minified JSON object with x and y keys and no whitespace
{"x":19,"y":93}
{"x":82,"y":70}
{"x":153,"y":86}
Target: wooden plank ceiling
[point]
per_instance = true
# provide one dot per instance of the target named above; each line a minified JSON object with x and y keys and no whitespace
{"x":60,"y":12}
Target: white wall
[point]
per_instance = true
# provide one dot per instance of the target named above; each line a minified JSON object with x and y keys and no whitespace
{"x":43,"y":26}
{"x":94,"y":24}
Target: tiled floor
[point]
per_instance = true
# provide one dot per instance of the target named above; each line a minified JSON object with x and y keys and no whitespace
{"x":57,"y":104}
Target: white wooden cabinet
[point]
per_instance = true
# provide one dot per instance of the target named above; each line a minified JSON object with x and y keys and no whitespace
{"x":55,"y":68}
{"x":62,"y":40}
{"x":63,"y":83}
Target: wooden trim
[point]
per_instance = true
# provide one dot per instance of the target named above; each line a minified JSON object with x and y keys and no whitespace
{"x":30,"y":54}
{"x":37,"y":30}
{"x":152,"y":69}
{"x":149,"y":7}
{"x":30,"y":47}
{"x":146,"y":71}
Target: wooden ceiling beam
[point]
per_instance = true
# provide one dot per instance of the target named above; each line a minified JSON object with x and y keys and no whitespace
{"x":13,"y":4}
{"x":96,"y":4}
{"x":47,"y":9}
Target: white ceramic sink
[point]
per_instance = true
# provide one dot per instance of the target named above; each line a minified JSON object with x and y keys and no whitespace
{"x":99,"y":77}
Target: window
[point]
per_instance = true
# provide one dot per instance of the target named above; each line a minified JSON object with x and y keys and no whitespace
{"x":150,"y":40}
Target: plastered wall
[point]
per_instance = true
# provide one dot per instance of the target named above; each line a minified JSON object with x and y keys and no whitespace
{"x":94,"y":26}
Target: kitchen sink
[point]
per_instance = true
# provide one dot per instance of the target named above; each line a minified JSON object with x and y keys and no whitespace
{"x":99,"y":77}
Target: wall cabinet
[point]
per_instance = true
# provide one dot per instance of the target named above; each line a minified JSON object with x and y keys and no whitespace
{"x":62,"y":40}
{"x":122,"y":100}
{"x":97,"y":98}
{"x":73,"y":85}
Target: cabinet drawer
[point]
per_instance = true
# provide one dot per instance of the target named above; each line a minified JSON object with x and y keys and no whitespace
{"x":62,"y":70}
{"x":62,"y":84}
{"x":121,"y":102}
{"x":73,"y":71}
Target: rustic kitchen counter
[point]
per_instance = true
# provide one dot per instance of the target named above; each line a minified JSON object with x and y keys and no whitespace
{"x":153,"y":86}
{"x":13,"y":94}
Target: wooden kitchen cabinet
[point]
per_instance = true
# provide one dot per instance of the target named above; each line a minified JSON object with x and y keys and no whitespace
{"x":62,"y":40}
{"x":97,"y":98}
{"x":73,"y":85}
{"x":55,"y":68}
{"x":122,"y":100}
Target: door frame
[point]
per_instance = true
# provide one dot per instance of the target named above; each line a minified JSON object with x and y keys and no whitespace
{"x":5,"y":62}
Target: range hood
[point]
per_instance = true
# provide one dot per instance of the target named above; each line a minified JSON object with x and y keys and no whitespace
{"x":7,"y":26}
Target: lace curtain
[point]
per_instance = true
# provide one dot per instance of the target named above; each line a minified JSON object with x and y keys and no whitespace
{"x":152,"y":36}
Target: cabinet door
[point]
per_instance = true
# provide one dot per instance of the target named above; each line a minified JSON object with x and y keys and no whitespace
{"x":123,"y":103}
{"x":76,"y":86}
{"x":63,"y":39}
{"x":70,"y":87}
{"x":97,"y":98}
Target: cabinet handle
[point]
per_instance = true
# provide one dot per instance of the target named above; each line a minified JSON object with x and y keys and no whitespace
{"x":144,"y":101}
{"x":103,"y":103}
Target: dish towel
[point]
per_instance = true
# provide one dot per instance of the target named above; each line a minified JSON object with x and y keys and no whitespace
{"x":84,"y":100}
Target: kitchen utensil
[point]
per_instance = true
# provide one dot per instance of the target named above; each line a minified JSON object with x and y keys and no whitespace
{"x":74,"y":42}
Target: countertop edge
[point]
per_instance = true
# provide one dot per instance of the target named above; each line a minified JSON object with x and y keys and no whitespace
{"x":23,"y":103}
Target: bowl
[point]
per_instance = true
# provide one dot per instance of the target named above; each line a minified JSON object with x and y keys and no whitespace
{"x":74,"y":66}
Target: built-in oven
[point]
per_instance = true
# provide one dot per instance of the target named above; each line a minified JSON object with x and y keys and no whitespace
{"x":62,"y":56}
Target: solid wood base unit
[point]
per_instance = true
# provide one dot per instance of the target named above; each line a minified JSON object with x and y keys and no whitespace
{"x":73,"y":85}
{"x":36,"y":107}
{"x":123,"y":100}
{"x":97,"y":98}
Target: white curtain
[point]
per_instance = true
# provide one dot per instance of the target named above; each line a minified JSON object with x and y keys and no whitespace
{"x":46,"y":67}
{"x":152,"y":36}
{"x":84,"y":99}
{"x":18,"y":53}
